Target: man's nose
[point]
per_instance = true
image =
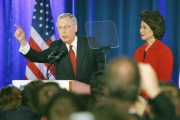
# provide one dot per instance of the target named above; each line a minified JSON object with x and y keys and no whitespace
{"x":64,"y":30}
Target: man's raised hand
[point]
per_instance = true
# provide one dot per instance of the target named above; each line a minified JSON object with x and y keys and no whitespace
{"x":20,"y":36}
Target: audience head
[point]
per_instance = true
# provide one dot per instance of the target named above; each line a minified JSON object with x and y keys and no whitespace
{"x":62,"y":106}
{"x":173,"y":93}
{"x":28,"y":91}
{"x":85,"y":102}
{"x":123,"y":78}
{"x":155,"y":21}
{"x":10,"y":98}
{"x":97,"y":82}
{"x":44,"y":94}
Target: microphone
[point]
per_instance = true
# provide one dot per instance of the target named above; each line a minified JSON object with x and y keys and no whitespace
{"x":54,"y":56}
{"x":62,"y":51}
{"x":54,"y":52}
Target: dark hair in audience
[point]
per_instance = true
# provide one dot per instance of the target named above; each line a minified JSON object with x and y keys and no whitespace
{"x":85,"y":102}
{"x":97,"y":82}
{"x":172,"y":91}
{"x":155,"y":21}
{"x":44,"y":94}
{"x":28,"y":91}
{"x":62,"y":106}
{"x":123,"y":78}
{"x":10,"y":98}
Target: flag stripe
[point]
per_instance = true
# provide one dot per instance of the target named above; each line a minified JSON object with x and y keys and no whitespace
{"x":43,"y":71}
{"x":35,"y":70}
{"x":34,"y":45}
{"x":30,"y":75}
{"x":48,"y":41}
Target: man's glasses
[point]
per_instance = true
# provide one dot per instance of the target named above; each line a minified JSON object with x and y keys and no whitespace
{"x":65,"y":27}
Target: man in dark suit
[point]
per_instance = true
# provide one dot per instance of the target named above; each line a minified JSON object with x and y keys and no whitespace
{"x":85,"y":61}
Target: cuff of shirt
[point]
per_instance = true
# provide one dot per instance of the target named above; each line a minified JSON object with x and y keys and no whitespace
{"x":24,"y":50}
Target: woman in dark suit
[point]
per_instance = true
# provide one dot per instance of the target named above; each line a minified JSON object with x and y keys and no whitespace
{"x":154,"y":52}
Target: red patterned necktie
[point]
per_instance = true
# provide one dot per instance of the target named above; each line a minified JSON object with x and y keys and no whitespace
{"x":72,"y":59}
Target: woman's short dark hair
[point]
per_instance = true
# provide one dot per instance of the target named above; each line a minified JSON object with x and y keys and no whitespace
{"x":155,"y":21}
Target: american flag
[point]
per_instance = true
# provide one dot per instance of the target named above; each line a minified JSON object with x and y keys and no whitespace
{"x":42,"y":33}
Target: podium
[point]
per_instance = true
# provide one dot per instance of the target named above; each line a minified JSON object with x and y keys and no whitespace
{"x":70,"y":85}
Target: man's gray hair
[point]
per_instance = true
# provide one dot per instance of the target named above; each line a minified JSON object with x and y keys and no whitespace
{"x":73,"y":18}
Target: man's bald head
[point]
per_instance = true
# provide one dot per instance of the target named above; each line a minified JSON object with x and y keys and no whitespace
{"x":122,"y":75}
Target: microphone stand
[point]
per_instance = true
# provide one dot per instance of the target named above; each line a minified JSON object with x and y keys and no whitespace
{"x":51,"y":63}
{"x":105,"y":48}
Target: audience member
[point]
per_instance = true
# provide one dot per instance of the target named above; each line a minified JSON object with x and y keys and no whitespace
{"x":10,"y":98}
{"x":44,"y":94}
{"x":98,"y":85}
{"x":123,"y":78}
{"x":62,"y":106}
{"x":28,"y":92}
{"x":85,"y":102}
{"x":173,"y":93}
{"x":26,"y":110}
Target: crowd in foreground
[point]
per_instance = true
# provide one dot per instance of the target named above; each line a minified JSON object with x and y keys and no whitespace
{"x":115,"y":95}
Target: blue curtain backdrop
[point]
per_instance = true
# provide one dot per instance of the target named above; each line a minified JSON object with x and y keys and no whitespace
{"x":125,"y":14}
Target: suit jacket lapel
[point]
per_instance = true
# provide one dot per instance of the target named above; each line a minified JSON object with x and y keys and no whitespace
{"x":66,"y":62}
{"x":81,"y":50}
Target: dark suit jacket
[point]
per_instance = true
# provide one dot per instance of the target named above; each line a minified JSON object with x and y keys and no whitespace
{"x":88,"y":60}
{"x":21,"y":113}
{"x":165,"y":109}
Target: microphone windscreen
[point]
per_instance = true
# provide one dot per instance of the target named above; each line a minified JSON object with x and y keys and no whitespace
{"x":57,"y":49}
{"x":64,"y":49}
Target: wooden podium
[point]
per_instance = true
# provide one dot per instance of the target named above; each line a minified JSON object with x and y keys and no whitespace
{"x":71,"y":85}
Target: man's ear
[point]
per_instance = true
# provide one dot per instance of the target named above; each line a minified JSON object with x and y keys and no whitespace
{"x":75,"y":28}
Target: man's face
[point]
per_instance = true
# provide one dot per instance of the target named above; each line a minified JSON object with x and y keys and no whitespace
{"x":67,"y":31}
